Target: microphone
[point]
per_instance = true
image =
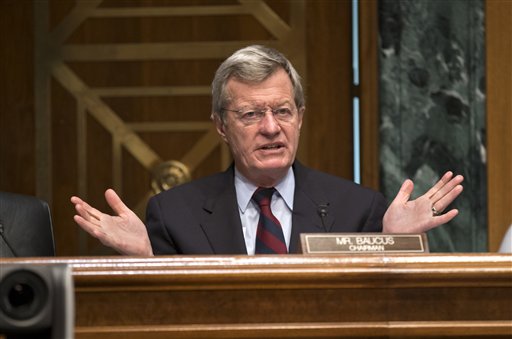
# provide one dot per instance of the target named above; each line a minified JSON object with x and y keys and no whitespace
{"x":323,"y":211}
{"x":2,"y":235}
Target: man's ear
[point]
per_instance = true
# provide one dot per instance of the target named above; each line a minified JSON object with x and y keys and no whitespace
{"x":219,"y":125}
{"x":301,"y":115}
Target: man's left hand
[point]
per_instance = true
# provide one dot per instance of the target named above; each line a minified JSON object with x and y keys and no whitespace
{"x":425,"y":212}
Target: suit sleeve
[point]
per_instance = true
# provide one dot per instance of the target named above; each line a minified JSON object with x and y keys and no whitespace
{"x":161,"y":241}
{"x":378,"y":208}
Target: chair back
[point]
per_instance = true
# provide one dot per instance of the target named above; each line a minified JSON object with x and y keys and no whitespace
{"x":25,"y":226}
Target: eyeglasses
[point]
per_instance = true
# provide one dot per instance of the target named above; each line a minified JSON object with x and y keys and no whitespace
{"x":250,"y":116}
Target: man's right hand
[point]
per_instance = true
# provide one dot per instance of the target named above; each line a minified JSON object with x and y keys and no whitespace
{"x":124,"y":232}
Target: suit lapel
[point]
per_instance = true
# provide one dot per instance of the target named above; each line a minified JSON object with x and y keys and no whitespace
{"x":221,"y":223}
{"x":223,"y":228}
{"x":308,"y":200}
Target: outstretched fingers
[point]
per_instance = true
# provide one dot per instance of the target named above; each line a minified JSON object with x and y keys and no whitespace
{"x":441,"y":219}
{"x":85,"y":210}
{"x":445,"y":191}
{"x":427,"y":211}
{"x":123,"y":231}
{"x":86,"y":225}
{"x":448,"y":198}
{"x":445,"y":179}
{"x":115,"y":202}
{"x":404,"y":194}
{"x":88,"y":217}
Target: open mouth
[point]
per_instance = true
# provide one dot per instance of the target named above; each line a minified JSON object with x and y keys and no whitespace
{"x":271,"y":147}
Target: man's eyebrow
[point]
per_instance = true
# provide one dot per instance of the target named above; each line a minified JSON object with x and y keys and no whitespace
{"x":262,"y":104}
{"x":282,"y":102}
{"x":287,"y":101}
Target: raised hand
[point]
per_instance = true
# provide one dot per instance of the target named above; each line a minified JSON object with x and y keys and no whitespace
{"x":426,"y":212}
{"x":124,"y":232}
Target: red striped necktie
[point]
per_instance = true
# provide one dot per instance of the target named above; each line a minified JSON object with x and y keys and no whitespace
{"x":269,"y":237}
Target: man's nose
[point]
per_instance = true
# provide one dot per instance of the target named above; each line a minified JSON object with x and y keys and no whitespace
{"x":269,"y":123}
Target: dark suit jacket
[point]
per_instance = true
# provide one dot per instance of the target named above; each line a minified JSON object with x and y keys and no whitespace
{"x":202,"y":217}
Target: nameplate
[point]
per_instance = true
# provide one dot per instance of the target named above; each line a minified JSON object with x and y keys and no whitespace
{"x":333,"y":243}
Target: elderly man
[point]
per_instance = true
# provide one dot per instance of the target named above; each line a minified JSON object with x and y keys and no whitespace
{"x":265,"y":200}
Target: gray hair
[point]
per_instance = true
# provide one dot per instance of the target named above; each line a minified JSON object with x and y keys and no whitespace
{"x":252,"y":64}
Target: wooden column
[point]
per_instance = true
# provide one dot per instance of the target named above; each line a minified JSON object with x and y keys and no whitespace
{"x":499,"y":118}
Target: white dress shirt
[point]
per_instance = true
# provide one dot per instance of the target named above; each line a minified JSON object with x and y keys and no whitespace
{"x":281,"y":206}
{"x":506,"y":243}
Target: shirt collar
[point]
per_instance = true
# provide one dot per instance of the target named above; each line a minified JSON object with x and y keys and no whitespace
{"x":245,"y":189}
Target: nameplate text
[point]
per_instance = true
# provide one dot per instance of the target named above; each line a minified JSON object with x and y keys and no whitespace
{"x":332,"y":243}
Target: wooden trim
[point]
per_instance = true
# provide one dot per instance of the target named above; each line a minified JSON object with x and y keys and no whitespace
{"x":293,"y":296}
{"x":499,"y":118}
{"x":369,"y":93}
{"x":430,"y":329}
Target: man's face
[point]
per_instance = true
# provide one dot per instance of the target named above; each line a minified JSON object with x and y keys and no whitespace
{"x":264,"y":147}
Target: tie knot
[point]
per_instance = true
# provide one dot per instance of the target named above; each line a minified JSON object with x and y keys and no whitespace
{"x":262,"y":196}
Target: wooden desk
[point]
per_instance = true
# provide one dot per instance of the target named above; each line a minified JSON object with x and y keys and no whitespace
{"x":363,"y":296}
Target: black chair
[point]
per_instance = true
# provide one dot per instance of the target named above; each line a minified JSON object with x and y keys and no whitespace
{"x":25,"y":226}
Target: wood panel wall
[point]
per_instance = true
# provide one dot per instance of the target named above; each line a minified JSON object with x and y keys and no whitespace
{"x":322,"y":55}
{"x":499,"y":118}
{"x":97,"y":93}
{"x":369,"y":93}
{"x":17,"y":119}
{"x":329,"y":87}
